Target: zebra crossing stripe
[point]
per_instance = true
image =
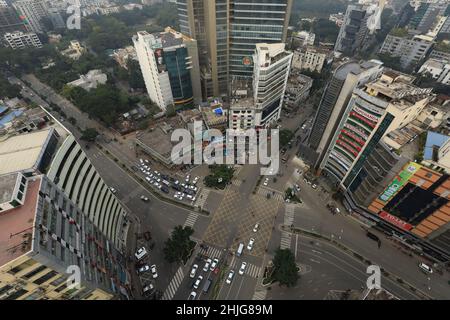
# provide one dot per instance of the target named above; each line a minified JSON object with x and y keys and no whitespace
{"x":260,"y":295}
{"x":174,"y":284}
{"x":285,"y":240}
{"x":214,"y":253}
{"x":191,"y":219}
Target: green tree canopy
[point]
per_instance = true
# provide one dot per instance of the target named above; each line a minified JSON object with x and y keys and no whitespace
{"x":179,"y":246}
{"x":89,"y":134}
{"x":285,"y":269}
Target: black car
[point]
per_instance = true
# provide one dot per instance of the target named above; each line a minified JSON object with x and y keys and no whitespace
{"x":165,"y":176}
{"x":165,"y":189}
{"x":176,"y":187}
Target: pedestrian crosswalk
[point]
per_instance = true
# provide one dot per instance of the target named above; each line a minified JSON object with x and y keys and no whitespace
{"x":214,"y":253}
{"x":202,"y":197}
{"x":273,"y":194}
{"x":285,"y":240}
{"x":251,"y":269}
{"x":173,"y":285}
{"x":260,"y":295}
{"x":236,"y":182}
{"x":191,"y":219}
{"x":289,"y":214}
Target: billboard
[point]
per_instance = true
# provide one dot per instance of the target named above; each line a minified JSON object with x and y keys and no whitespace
{"x":395,"y":221}
{"x":400,"y":180}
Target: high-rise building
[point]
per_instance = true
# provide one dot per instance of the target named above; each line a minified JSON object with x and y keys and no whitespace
{"x":353,"y":31}
{"x":32,"y":12}
{"x":170,"y":67}
{"x":333,"y":105}
{"x":426,"y":15}
{"x":410,"y":49}
{"x":9,"y":20}
{"x":379,"y":107}
{"x":263,"y":99}
{"x":56,"y":212}
{"x":227,"y":32}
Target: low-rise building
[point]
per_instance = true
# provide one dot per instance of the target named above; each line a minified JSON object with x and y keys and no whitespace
{"x":303,"y":38}
{"x":74,"y":51}
{"x":123,"y":55}
{"x":311,"y":58}
{"x":297,"y":90}
{"x":441,"y":51}
{"x":436,"y":153}
{"x":21,"y":40}
{"x":90,"y":80}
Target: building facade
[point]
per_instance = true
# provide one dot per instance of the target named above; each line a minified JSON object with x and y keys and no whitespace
{"x":334,"y":101}
{"x":10,"y":21}
{"x":170,"y":67}
{"x":32,"y":11}
{"x":227,"y":32}
{"x":311,"y":58}
{"x":20,"y":40}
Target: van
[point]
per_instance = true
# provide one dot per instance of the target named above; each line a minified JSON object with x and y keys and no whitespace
{"x":425,"y":268}
{"x":207,"y":285}
{"x":240,"y":249}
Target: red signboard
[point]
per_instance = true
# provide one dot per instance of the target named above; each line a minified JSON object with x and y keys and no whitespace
{"x":395,"y":221}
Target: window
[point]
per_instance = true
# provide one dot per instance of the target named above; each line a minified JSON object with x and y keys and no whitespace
{"x":45,"y":277}
{"x":17,"y":294}
{"x":34,"y":272}
{"x":58,"y":281}
{"x":22,"y":266}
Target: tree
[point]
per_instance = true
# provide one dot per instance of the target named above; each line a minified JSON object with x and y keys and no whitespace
{"x":89,"y":134}
{"x":8,"y":90}
{"x":170,"y":111}
{"x":285,"y":269}
{"x":179,"y":246}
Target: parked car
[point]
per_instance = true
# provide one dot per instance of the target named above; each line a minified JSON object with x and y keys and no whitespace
{"x":153,"y":270}
{"x":112,"y":190}
{"x":256,"y":227}
{"x":192,"y":295}
{"x":144,"y":198}
{"x":140,"y":253}
{"x":425,"y":268}
{"x":148,"y":288}
{"x":144,"y":268}
{"x":250,"y":244}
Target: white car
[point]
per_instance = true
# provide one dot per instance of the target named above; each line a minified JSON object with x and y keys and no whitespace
{"x":207,"y":264}
{"x":146,"y":161}
{"x":425,"y":268}
{"x":256,"y":227}
{"x":197,"y":282}
{"x":144,"y":268}
{"x":156,"y":172}
{"x":195,"y":180}
{"x":266,"y":181}
{"x":250,"y":244}
{"x":314,"y":186}
{"x":187,"y":178}
{"x":242,"y":269}
{"x":112,"y":190}
{"x":193,"y":270}
{"x":189,"y":196}
{"x":230,"y":277}
{"x":141,"y":161}
{"x":140,"y":253}
{"x":148,"y":288}
{"x":144,"y":198}
{"x":192,"y":295}
{"x":153,"y":270}
{"x":214,"y":264}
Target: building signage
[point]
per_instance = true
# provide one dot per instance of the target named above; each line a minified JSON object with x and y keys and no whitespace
{"x":395,"y":221}
{"x":365,"y":114}
{"x":399,"y":181}
{"x":246,"y":61}
{"x":356,"y":130}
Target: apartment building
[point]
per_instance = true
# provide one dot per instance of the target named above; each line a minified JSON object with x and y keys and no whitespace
{"x":20,"y":40}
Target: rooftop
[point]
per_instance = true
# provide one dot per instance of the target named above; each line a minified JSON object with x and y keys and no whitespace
{"x":7,"y":185}
{"x":16,"y":225}
{"x":433,"y":143}
{"x":22,"y":152}
{"x":354,"y":67}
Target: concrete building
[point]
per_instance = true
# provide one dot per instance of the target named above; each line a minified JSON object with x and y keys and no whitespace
{"x":410,"y":49}
{"x":303,"y":38}
{"x":297,"y":90}
{"x":20,"y":40}
{"x":416,"y":202}
{"x":123,"y":55}
{"x":32,"y":11}
{"x":227,"y":32}
{"x":10,"y":21}
{"x":90,"y":80}
{"x":383,"y":105}
{"x":311,"y":58}
{"x":170,"y":67}
{"x":437,"y":69}
{"x":353,"y":31}
{"x":426,"y":16}
{"x":333,"y":104}
{"x":272,"y":64}
{"x":436,"y":153}
{"x":74,"y":51}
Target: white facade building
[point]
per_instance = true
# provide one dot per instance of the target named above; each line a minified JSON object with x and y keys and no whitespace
{"x":20,"y":40}
{"x":33,"y":11}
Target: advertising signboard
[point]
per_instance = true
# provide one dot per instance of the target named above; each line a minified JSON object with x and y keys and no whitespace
{"x":408,"y":171}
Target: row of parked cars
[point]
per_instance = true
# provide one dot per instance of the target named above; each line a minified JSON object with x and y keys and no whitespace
{"x":210,"y":265}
